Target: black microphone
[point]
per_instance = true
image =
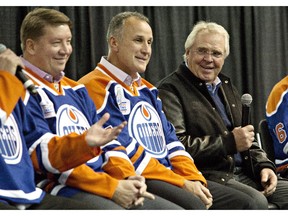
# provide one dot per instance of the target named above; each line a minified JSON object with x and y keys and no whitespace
{"x":28,"y":84}
{"x":246,"y":101}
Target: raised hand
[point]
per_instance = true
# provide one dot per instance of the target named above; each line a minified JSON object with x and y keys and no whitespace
{"x":97,"y":135}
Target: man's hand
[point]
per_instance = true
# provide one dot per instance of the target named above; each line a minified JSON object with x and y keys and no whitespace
{"x":268,"y":181}
{"x":97,"y":135}
{"x":199,"y":190}
{"x":244,"y":137}
{"x":131,"y":192}
{"x":142,"y":187}
{"x":9,"y":61}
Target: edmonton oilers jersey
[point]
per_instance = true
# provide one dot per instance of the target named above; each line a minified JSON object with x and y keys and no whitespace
{"x":277,"y":119}
{"x":70,"y":110}
{"x":147,"y":126}
{"x":149,"y":138}
{"x":16,"y":170}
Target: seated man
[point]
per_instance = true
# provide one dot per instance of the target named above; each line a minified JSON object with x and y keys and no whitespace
{"x":276,"y":115}
{"x":19,"y":135}
{"x":205,"y":109}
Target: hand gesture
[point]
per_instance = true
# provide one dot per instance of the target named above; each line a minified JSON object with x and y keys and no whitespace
{"x":97,"y":135}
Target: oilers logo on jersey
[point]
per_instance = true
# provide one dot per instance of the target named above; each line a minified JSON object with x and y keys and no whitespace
{"x":70,"y":119}
{"x":145,"y":126}
{"x":10,"y":141}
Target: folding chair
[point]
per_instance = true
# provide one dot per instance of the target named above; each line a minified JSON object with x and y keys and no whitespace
{"x":266,"y":143}
{"x":266,"y":139}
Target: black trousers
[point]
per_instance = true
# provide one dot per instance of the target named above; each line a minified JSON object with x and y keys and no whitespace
{"x":279,"y":197}
{"x":55,"y":203}
{"x":107,"y":204}
{"x":223,"y":197}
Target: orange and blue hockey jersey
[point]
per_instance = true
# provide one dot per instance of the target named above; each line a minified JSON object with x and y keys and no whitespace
{"x":71,"y":110}
{"x":149,"y":139}
{"x":277,"y":119}
{"x":20,"y":136}
{"x":16,"y":170}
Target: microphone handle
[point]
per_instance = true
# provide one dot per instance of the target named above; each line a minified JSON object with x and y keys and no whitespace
{"x":246,"y":121}
{"x":245,"y":115}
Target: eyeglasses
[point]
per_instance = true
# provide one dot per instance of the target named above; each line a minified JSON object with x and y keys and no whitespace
{"x":203,"y":52}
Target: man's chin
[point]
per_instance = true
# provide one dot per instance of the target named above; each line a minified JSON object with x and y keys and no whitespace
{"x":208,"y":79}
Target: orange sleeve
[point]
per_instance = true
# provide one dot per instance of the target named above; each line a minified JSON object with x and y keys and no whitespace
{"x":98,"y":183}
{"x":162,"y":173}
{"x":119,"y":167}
{"x":56,"y":152}
{"x":185,"y":167}
{"x":13,"y":89}
{"x":61,"y":147}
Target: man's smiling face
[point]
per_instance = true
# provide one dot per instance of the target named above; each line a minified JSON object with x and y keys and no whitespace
{"x":206,"y":66}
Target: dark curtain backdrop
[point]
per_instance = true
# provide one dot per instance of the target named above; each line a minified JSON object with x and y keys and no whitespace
{"x":258,"y":41}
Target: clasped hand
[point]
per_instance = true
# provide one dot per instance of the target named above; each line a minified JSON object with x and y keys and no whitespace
{"x":132,"y":192}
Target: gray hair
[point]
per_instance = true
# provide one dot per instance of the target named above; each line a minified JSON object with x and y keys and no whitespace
{"x":210,"y":27}
{"x":116,"y":24}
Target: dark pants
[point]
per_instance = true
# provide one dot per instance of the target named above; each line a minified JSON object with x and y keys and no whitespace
{"x":223,"y":197}
{"x":107,"y":204}
{"x":229,"y":198}
{"x":279,"y":197}
{"x":175,"y":194}
{"x":54,"y":202}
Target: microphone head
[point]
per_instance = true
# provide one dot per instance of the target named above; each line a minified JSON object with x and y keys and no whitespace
{"x":246,"y":99}
{"x":2,"y":48}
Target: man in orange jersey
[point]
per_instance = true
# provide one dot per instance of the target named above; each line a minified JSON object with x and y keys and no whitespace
{"x":19,"y":135}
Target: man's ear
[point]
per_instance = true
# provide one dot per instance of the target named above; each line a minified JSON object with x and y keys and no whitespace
{"x":30,"y":46}
{"x":113,"y":43}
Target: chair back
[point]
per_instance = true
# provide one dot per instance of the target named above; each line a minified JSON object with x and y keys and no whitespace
{"x":266,"y":139}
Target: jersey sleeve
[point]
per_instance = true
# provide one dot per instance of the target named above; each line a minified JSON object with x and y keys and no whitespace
{"x":49,"y":152}
{"x":99,"y":183}
{"x":13,"y":89}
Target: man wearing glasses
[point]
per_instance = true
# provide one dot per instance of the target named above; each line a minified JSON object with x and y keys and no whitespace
{"x":205,"y":109}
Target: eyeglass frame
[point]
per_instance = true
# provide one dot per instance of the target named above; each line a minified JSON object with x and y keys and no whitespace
{"x":202,"y":51}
